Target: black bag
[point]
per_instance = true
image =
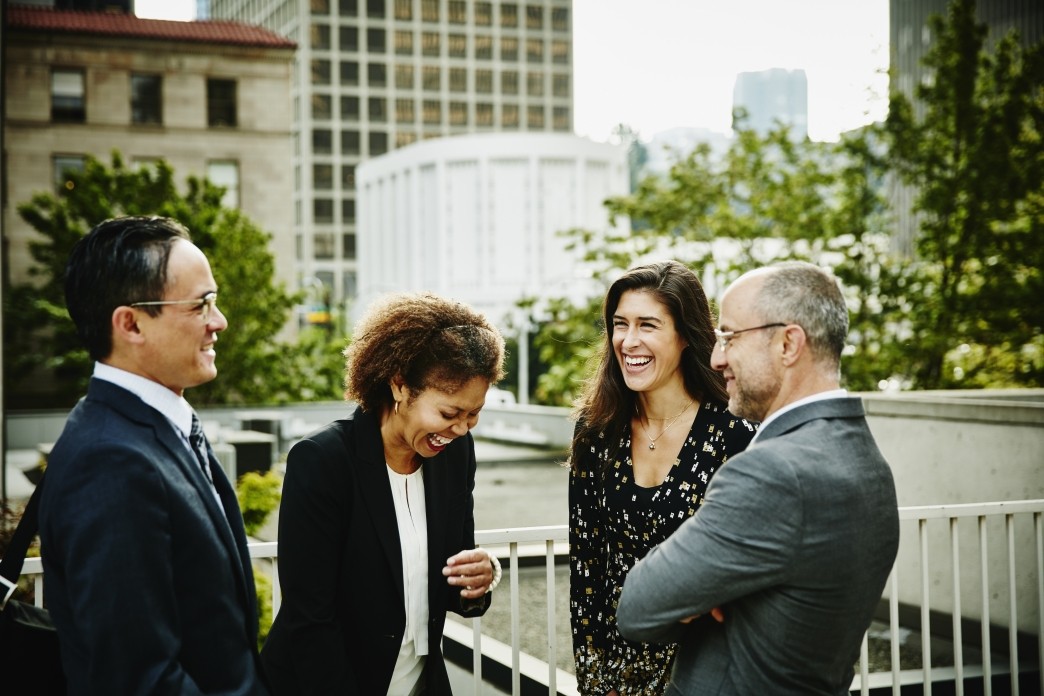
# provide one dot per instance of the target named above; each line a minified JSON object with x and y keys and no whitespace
{"x":30,"y":658}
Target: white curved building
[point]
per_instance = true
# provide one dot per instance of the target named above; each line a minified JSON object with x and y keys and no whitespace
{"x":476,"y":217}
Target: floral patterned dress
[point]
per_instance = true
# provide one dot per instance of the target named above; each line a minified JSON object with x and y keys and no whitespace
{"x":612,"y":525}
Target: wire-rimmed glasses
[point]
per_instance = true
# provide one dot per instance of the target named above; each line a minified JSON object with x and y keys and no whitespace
{"x":205,"y":304}
{"x":723,"y":337}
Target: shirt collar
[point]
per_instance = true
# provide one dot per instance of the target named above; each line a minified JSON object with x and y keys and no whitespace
{"x":821,"y":396}
{"x":174,"y":407}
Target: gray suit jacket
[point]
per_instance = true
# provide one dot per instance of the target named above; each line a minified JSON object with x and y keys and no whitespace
{"x":795,"y":541}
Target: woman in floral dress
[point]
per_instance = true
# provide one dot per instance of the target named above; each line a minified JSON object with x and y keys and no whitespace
{"x":652,"y":428}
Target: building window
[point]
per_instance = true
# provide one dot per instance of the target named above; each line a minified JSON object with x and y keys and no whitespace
{"x":483,"y":14}
{"x":561,"y":85}
{"x":221,"y":102}
{"x":458,"y":80}
{"x":430,"y":45}
{"x":64,"y":167}
{"x":483,"y":114}
{"x":509,"y":115}
{"x":348,"y":284}
{"x":225,"y":173}
{"x":458,"y":12}
{"x":535,"y":117}
{"x":404,"y":76}
{"x":430,"y":10}
{"x":348,"y":177}
{"x":350,"y":142}
{"x":560,"y":19}
{"x":403,"y":9}
{"x":458,"y":113}
{"x":322,"y":107}
{"x":484,"y":47}
{"x":146,"y":98}
{"x":349,"y":108}
{"x":509,"y":49}
{"x":560,"y":52}
{"x":509,"y":15}
{"x":375,"y":9}
{"x":431,"y":78}
{"x":378,"y":109}
{"x":561,"y":118}
{"x":348,"y":240}
{"x":432,"y":111}
{"x":535,"y":50}
{"x":68,"y":102}
{"x":320,"y":34}
{"x":322,"y":142}
{"x":349,"y":73}
{"x":348,"y":8}
{"x":348,"y":211}
{"x":378,"y":143}
{"x":535,"y":84}
{"x":404,"y":43}
{"x":534,"y":17}
{"x":457,"y":46}
{"x":375,"y":41}
{"x":320,"y":72}
{"x":320,"y":7}
{"x":404,"y":111}
{"x":404,"y":138}
{"x":484,"y":81}
{"x":322,"y":176}
{"x":377,"y":75}
{"x":509,"y":82}
{"x":323,"y":242}
{"x":349,"y":38}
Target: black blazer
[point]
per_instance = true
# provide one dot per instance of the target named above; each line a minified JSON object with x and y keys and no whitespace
{"x":147,"y":579}
{"x":343,"y":614}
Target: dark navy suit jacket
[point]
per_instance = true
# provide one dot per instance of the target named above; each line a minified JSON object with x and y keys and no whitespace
{"x":343,"y":614}
{"x":147,"y":579}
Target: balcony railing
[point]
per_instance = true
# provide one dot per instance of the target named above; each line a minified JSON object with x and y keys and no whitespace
{"x":978,"y":595}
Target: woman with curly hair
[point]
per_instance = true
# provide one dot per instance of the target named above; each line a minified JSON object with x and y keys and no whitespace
{"x":652,"y":428}
{"x":376,"y":531}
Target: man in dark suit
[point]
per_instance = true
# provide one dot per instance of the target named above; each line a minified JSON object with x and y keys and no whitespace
{"x":771,"y":585}
{"x":146,"y":569}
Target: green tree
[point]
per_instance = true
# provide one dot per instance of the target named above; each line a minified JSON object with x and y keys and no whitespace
{"x":254,"y":367}
{"x":975,"y":160}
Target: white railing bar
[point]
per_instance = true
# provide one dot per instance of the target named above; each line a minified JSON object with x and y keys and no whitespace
{"x":987,"y":654}
{"x":552,"y":641}
{"x":277,"y":589}
{"x":864,"y":666}
{"x":263,"y":549}
{"x":958,"y":634}
{"x":926,"y":622}
{"x":523,"y":535}
{"x":893,"y":630}
{"x":927,"y":512}
{"x":1013,"y":615}
{"x":38,"y":590}
{"x":516,"y":634}
{"x":476,"y":655}
{"x":1038,"y":533}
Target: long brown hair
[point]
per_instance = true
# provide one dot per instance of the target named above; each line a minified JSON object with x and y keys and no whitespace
{"x":606,"y":403}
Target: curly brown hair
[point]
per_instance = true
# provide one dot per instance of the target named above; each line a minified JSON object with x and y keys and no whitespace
{"x":427,"y":340}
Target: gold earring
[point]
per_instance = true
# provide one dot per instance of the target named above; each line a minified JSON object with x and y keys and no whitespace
{"x":396,"y":409}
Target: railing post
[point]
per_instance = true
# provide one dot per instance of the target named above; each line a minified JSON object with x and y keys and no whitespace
{"x":987,"y":656}
{"x":1013,"y":614}
{"x":926,"y":621}
{"x":958,"y":639}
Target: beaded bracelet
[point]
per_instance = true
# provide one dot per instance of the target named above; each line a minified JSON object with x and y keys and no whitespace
{"x":497,"y":572}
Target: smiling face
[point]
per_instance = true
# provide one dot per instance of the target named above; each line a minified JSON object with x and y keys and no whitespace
{"x":177,"y":345}
{"x":425,"y":424}
{"x":647,"y":346}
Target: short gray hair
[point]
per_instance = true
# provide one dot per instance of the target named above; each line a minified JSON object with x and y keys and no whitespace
{"x":804,"y":294}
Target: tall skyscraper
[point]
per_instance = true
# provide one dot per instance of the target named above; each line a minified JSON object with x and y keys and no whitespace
{"x":375,"y":75}
{"x":773,"y":95}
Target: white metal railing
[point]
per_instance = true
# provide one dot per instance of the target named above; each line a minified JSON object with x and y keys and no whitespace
{"x":1020,"y":592}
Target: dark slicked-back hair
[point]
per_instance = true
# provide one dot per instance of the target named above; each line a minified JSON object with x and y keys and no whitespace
{"x":119,"y":262}
{"x":427,"y":340}
{"x":606,"y":403}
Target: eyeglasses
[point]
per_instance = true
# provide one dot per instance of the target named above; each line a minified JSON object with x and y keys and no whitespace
{"x":204,"y":304}
{"x":725,"y":336}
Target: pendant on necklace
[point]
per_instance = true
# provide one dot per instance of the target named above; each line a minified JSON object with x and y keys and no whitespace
{"x":652,"y":445}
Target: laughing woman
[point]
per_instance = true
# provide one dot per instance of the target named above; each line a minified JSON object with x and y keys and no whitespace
{"x":652,"y":428}
{"x":376,"y":533}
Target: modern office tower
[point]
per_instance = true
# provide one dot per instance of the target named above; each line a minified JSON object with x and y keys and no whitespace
{"x":910,"y":38}
{"x":773,"y":95}
{"x":375,"y":75}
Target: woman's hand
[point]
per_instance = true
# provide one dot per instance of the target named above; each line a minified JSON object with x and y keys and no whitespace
{"x":470,"y":570}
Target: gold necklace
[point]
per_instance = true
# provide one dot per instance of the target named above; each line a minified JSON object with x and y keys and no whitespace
{"x":652,"y":440}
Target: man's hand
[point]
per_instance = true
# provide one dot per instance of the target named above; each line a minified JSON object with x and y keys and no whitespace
{"x":716,"y":612}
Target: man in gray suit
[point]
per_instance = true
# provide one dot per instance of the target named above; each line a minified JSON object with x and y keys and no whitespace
{"x":795,"y":539}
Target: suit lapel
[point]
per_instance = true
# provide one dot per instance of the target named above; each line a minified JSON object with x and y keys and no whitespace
{"x":844,"y":407}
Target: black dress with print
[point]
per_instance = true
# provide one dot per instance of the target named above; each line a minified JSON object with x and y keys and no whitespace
{"x":612,"y":525}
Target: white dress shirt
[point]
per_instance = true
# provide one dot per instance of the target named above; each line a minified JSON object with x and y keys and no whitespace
{"x":410,"y":513}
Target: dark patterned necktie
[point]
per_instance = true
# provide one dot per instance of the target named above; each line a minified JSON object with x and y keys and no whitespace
{"x":199,"y":446}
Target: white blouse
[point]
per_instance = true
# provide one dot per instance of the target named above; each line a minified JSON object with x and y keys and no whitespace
{"x":410,"y":513}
